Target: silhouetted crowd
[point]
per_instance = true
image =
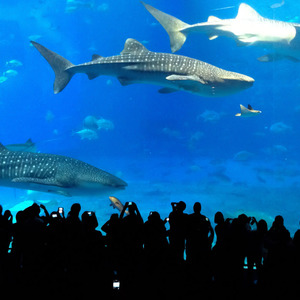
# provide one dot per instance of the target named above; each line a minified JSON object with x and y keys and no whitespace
{"x":60,"y":256}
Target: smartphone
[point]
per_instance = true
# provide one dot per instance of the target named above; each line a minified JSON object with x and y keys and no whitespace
{"x":90,"y":213}
{"x":130,"y":203}
{"x":167,"y":219}
{"x":60,"y":210}
{"x":54,"y":215}
{"x":116,"y":284}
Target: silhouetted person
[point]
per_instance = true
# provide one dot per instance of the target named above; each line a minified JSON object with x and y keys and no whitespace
{"x":74,"y":247}
{"x":132,"y":230}
{"x":132,"y":249}
{"x":256,"y":247}
{"x":200,"y":235}
{"x":221,"y":250}
{"x":5,"y":239}
{"x":178,"y":228}
{"x":277,"y":263}
{"x":94,"y":260}
{"x":73,"y":222}
{"x":156,"y":249}
{"x":199,"y":238}
{"x":155,"y":238}
{"x":5,"y":233}
{"x":112,"y":228}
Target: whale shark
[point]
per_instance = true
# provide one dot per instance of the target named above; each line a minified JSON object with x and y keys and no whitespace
{"x":136,"y":64}
{"x":247,"y":112}
{"x":248,"y":28}
{"x":53,"y":173}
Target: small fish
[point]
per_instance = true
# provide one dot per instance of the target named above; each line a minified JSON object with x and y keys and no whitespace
{"x":13,"y":63}
{"x":280,"y":127}
{"x":247,"y":112}
{"x":10,"y":73}
{"x":3,"y":79}
{"x":116,"y":203}
{"x":88,"y":134}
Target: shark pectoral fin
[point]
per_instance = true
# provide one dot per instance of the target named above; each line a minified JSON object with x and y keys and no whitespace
{"x":186,"y":78}
{"x":124,"y":81}
{"x":62,"y":193}
{"x":92,"y":75}
{"x":238,"y":115}
{"x":269,"y":58}
{"x":167,"y":90}
{"x":276,"y":57}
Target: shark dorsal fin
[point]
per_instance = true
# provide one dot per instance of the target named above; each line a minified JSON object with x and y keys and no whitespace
{"x":3,"y":148}
{"x":96,"y":57}
{"x":247,"y":12}
{"x":132,"y":46}
{"x":212,"y":19}
{"x":29,"y":141}
{"x":250,"y":107}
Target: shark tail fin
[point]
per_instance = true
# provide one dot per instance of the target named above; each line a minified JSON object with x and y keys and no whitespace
{"x":172,"y":25}
{"x":60,"y":66}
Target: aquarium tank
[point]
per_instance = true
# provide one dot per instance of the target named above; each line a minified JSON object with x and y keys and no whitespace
{"x":171,"y":127}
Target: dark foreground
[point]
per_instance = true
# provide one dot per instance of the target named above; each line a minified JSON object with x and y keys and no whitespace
{"x":54,"y":256}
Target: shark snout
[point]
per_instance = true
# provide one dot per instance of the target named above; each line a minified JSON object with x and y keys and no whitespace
{"x":119,"y":184}
{"x":248,"y":79}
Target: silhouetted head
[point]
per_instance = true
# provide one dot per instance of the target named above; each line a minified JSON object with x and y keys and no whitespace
{"x":197,"y":207}
{"x":89,"y":220}
{"x":262,"y":226}
{"x":278,"y":222}
{"x":114,"y":218}
{"x":154,"y":216}
{"x":75,"y":209}
{"x":7,"y":214}
{"x":296,"y":239}
{"x":181,"y":206}
{"x":219,"y":218}
{"x":243,"y":219}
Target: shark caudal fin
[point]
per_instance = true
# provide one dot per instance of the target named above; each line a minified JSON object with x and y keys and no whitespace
{"x":171,"y":24}
{"x":59,"y":65}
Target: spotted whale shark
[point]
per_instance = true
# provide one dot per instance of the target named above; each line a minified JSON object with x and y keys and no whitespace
{"x":248,"y":28}
{"x":136,"y":64}
{"x":53,"y":173}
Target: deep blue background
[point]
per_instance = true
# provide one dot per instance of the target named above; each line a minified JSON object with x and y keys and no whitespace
{"x":153,"y":145}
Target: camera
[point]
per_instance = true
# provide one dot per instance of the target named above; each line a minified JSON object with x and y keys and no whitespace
{"x":54,"y":215}
{"x":130,"y":203}
{"x":60,"y":210}
{"x":90,"y":213}
{"x":116,"y":284}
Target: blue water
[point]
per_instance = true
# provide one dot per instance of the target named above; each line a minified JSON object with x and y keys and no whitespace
{"x":168,"y":147}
